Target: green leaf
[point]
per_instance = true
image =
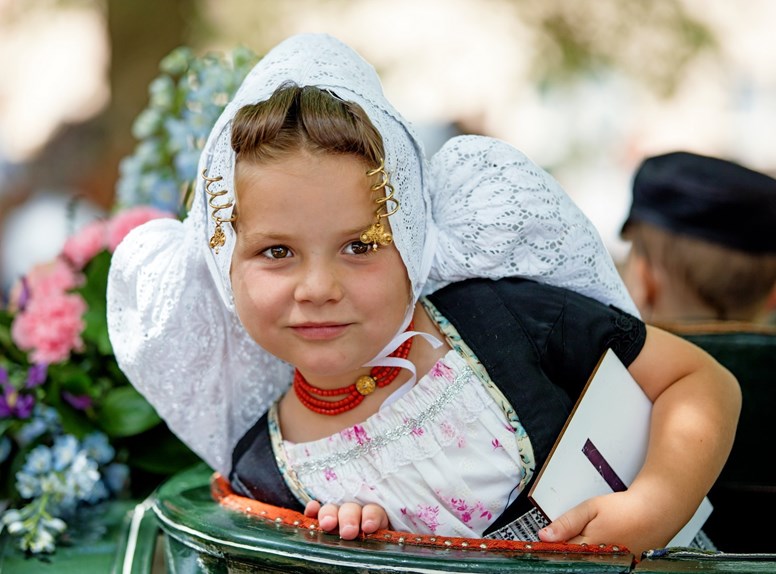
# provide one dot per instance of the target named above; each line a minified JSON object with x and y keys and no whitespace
{"x":124,"y":412}
{"x":94,"y":292}
{"x":5,"y":424}
{"x":8,"y":349}
{"x":74,"y":422}
{"x":167,"y":457}
{"x":70,"y":378}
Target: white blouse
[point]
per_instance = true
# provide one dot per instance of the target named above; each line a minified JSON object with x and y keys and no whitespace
{"x":444,"y":458}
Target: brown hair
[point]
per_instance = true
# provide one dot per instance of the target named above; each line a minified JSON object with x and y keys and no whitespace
{"x":735,"y":284}
{"x":308,"y":118}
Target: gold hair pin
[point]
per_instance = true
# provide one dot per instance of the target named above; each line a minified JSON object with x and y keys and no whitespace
{"x":376,"y":234}
{"x":218,"y":238}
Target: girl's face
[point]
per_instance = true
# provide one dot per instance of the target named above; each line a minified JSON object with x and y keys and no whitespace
{"x":306,"y":289}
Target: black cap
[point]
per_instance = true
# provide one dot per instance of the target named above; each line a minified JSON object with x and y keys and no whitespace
{"x":709,"y":198}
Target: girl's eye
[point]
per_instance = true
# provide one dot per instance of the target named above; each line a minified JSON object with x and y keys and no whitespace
{"x":276,"y":252}
{"x":358,"y":248}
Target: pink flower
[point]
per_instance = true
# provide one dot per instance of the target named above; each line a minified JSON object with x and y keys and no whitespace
{"x":50,"y":327}
{"x":52,"y":279}
{"x":81,"y":247}
{"x":125,"y":221}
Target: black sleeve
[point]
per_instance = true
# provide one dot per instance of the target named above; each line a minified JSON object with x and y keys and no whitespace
{"x":571,"y":331}
{"x":255,"y":473}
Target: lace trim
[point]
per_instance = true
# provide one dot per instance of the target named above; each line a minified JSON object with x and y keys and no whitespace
{"x":524,"y":446}
{"x":382,"y":440}
{"x":290,"y":477}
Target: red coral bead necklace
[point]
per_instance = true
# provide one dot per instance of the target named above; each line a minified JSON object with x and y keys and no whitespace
{"x":378,"y":377}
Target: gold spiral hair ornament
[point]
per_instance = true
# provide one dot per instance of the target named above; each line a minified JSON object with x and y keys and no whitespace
{"x":376,"y":235}
{"x":218,"y":238}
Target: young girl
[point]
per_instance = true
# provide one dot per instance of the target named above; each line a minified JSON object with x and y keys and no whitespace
{"x":342,"y":327}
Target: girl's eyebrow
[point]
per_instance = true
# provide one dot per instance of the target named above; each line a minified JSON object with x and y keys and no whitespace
{"x":269,"y":236}
{"x":280,"y":236}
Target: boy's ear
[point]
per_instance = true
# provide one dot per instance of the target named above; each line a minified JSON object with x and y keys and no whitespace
{"x":642,"y":282}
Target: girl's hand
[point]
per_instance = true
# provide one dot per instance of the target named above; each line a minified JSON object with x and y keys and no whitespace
{"x":621,"y":518}
{"x":350,"y":517}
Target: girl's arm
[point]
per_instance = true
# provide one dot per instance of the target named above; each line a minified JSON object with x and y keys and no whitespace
{"x":694,"y":418}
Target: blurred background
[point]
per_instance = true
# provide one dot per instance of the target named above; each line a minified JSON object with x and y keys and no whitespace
{"x":584,"y":89}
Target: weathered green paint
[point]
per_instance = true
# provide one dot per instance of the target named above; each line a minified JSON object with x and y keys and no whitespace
{"x":203,"y":535}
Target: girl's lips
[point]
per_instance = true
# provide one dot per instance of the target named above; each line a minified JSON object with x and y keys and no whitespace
{"x":319,"y":331}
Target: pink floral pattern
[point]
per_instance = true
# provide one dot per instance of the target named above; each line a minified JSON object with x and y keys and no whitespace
{"x":357,"y":434}
{"x":466,"y":512}
{"x":426,"y":514}
{"x":329,"y":474}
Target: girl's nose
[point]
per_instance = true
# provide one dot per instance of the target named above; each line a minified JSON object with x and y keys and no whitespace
{"x":318,"y":284}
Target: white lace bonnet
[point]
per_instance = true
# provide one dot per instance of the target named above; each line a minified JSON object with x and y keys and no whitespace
{"x":479,"y":208}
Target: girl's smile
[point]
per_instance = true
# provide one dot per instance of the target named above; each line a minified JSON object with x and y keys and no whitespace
{"x":319,"y":331}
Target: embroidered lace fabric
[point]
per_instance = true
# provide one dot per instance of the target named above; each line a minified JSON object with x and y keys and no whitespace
{"x":422,"y":457}
{"x":479,"y":209}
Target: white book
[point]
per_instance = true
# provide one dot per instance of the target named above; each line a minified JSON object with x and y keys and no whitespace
{"x":602,"y":447}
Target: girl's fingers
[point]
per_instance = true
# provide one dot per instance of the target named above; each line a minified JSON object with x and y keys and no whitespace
{"x":312,"y":509}
{"x":349,"y":520}
{"x":373,"y":518}
{"x":328,"y":517}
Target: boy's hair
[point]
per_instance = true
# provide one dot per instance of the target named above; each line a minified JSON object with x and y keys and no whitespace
{"x":307,"y":118}
{"x":734,"y":283}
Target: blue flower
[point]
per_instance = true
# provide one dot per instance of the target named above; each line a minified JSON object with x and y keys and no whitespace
{"x":28,"y":485}
{"x":97,"y":447}
{"x":82,"y":477}
{"x":147,"y":123}
{"x":177,"y":61}
{"x":116,"y":477}
{"x":44,"y":419}
{"x":184,"y":104}
{"x":65,"y":450}
{"x":186,"y":163}
{"x":39,"y":461}
{"x":162,"y":92}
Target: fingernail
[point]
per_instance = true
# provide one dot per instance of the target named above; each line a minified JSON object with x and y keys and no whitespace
{"x":327,"y":522}
{"x":369,"y":526}
{"x":547,"y":531}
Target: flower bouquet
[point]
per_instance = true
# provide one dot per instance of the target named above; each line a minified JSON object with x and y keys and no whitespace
{"x":73,"y":431}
